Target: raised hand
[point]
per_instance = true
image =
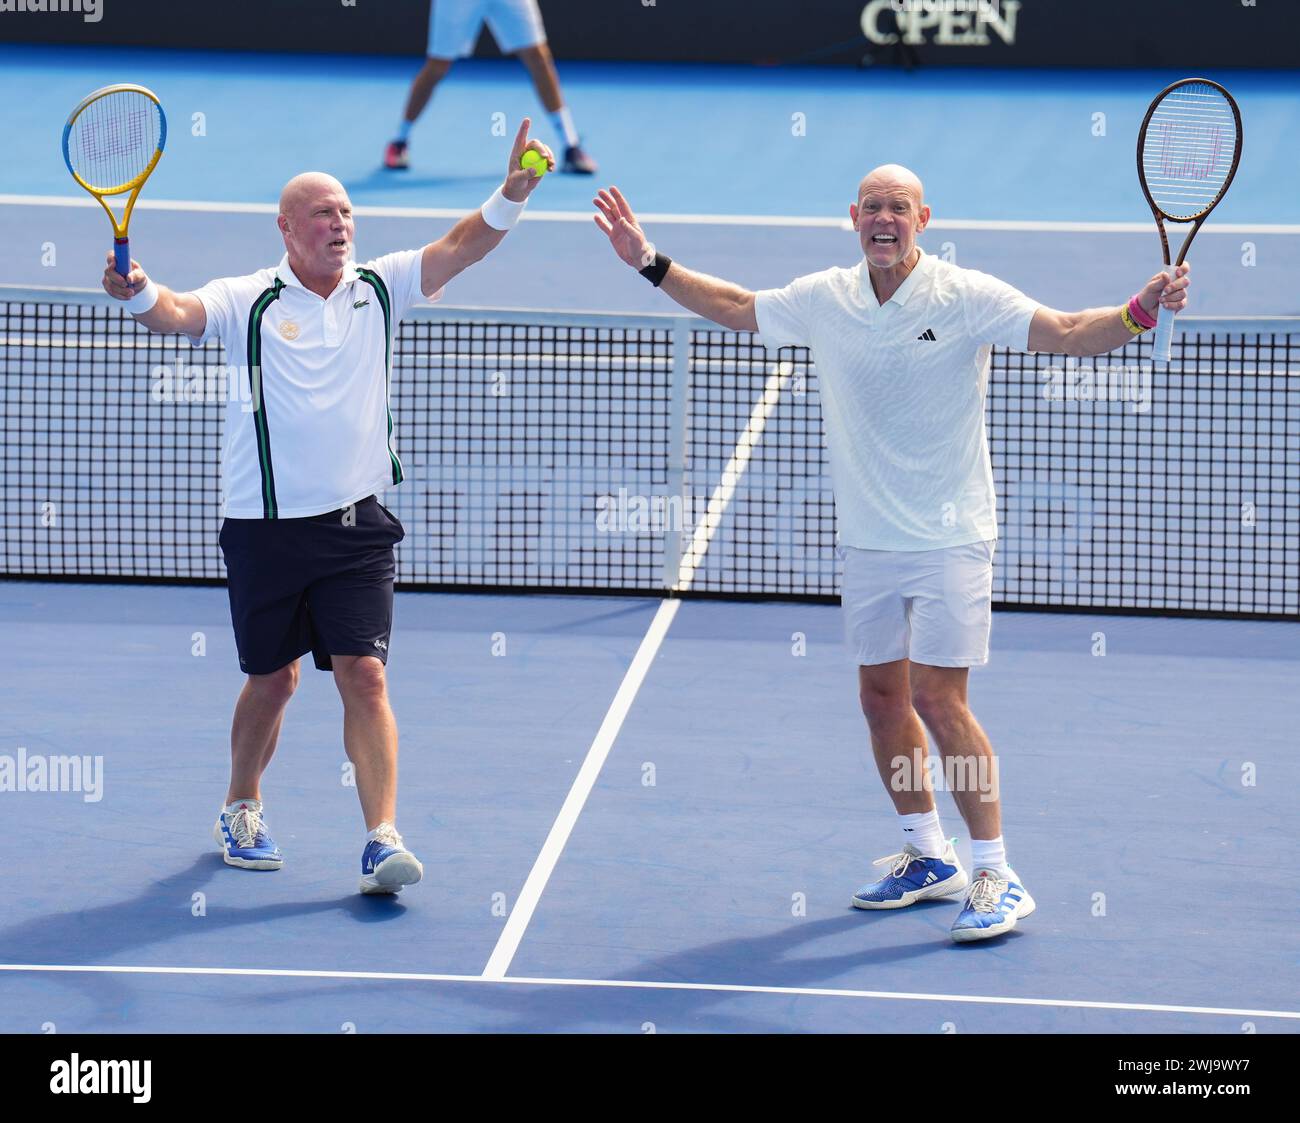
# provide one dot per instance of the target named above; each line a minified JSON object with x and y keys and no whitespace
{"x":1172,"y":294}
{"x":619,"y":224}
{"x":123,"y":289}
{"x":520,"y":183}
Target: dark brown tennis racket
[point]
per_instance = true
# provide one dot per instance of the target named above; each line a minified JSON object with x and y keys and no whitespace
{"x":1187,"y":153}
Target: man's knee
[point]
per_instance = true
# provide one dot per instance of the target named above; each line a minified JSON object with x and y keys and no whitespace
{"x":278,"y":686}
{"x":360,"y":678}
{"x":937,"y":707}
{"x":532,"y":57}
{"x":882,"y":692}
{"x":435,"y":69}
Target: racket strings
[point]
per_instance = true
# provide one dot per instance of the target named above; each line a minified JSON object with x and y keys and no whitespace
{"x":1189,"y":150}
{"x":113,"y":139}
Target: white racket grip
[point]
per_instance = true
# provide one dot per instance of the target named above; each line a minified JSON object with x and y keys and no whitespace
{"x":1164,"y":327}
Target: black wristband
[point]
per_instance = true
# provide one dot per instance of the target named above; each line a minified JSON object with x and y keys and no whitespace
{"x":657,"y":269}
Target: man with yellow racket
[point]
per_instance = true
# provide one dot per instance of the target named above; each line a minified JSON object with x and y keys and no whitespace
{"x":111,"y":144}
{"x":308,"y":547}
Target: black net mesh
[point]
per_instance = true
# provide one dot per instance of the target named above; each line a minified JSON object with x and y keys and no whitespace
{"x":551,"y":456}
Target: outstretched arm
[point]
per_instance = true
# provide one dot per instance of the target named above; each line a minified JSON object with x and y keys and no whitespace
{"x":173,"y":312}
{"x":473,"y":237}
{"x":1099,"y":330}
{"x":714,"y":299}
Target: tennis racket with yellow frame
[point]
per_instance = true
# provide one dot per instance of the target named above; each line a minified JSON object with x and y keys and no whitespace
{"x":111,"y":144}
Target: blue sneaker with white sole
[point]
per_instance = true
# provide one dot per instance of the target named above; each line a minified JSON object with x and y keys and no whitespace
{"x":993,"y":905}
{"x":243,"y":838}
{"x":386,"y":863}
{"x":913,"y":877}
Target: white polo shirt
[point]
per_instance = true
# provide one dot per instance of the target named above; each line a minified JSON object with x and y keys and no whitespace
{"x":902,"y":392}
{"x":319,"y":434}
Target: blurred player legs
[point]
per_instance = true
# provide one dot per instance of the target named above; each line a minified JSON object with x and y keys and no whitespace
{"x":516,"y":25}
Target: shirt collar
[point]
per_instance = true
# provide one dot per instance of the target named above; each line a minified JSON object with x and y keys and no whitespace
{"x":904,"y":291}
{"x":289,"y":277}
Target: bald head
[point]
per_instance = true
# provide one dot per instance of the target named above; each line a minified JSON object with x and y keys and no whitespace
{"x":889,"y":215}
{"x":894,"y":176}
{"x":303,"y":189}
{"x":316,"y":222}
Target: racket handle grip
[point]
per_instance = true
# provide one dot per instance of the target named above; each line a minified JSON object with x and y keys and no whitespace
{"x":1164,"y":328}
{"x":122,"y":256}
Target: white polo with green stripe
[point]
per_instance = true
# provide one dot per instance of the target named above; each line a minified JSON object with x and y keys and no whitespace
{"x":308,"y":425}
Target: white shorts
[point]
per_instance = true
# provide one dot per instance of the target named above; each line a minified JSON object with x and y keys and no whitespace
{"x":454,"y":26}
{"x":929,"y":606}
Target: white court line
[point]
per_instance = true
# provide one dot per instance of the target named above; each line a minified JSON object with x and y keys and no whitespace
{"x":707,"y":527}
{"x":792,"y":221}
{"x":520,"y":916}
{"x":637,"y":984}
{"x":508,"y":942}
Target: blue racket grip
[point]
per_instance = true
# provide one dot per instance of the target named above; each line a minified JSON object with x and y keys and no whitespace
{"x":1164,"y":327}
{"x":122,"y":256}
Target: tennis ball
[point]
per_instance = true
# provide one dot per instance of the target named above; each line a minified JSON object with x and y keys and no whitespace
{"x":533,"y":161}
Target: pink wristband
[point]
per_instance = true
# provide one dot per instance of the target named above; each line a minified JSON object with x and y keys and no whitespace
{"x":1140,"y":314}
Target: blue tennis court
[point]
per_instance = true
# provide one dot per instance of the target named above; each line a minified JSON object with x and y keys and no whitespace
{"x":643,"y":813}
{"x":703,"y":884}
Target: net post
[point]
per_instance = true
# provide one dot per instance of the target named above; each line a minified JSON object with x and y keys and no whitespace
{"x":678,"y":390}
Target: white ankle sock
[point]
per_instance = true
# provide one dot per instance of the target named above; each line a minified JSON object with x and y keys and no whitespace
{"x":989,"y":854}
{"x":923,"y":832}
{"x":236,"y":804}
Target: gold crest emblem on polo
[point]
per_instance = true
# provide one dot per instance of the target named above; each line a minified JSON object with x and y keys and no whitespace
{"x":288,"y":329}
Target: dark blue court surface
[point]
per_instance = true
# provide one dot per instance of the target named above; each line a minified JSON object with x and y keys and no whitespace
{"x":703,"y":885}
{"x":638,"y":815}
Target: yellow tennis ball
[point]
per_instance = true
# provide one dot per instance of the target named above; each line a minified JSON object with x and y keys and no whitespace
{"x":533,"y":161}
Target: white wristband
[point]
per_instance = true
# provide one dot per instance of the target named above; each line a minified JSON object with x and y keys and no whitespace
{"x":145,"y":299}
{"x":500,"y":213}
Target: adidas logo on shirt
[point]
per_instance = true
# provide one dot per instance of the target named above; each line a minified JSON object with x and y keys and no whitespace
{"x":928,"y":335}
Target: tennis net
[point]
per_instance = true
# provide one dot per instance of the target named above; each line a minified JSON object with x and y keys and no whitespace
{"x":639,"y":454}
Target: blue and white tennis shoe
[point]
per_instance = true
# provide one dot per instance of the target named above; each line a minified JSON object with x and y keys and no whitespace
{"x":993,"y":905}
{"x":244,"y":840}
{"x":912,"y":877}
{"x":386,"y":863}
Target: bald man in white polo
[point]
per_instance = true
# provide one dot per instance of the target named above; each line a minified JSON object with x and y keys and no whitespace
{"x":307,"y":445}
{"x":901,"y":342}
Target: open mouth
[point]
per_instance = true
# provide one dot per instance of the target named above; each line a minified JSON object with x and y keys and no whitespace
{"x":339,"y":244}
{"x":884,"y":239}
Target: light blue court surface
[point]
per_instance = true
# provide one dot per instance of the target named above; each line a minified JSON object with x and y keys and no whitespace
{"x":712,"y":155}
{"x":704,"y":883}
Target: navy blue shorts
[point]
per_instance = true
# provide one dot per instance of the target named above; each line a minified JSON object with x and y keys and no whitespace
{"x":322,"y":584}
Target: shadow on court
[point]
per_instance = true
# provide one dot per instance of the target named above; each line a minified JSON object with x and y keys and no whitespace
{"x":161,"y":913}
{"x":772,"y":960}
